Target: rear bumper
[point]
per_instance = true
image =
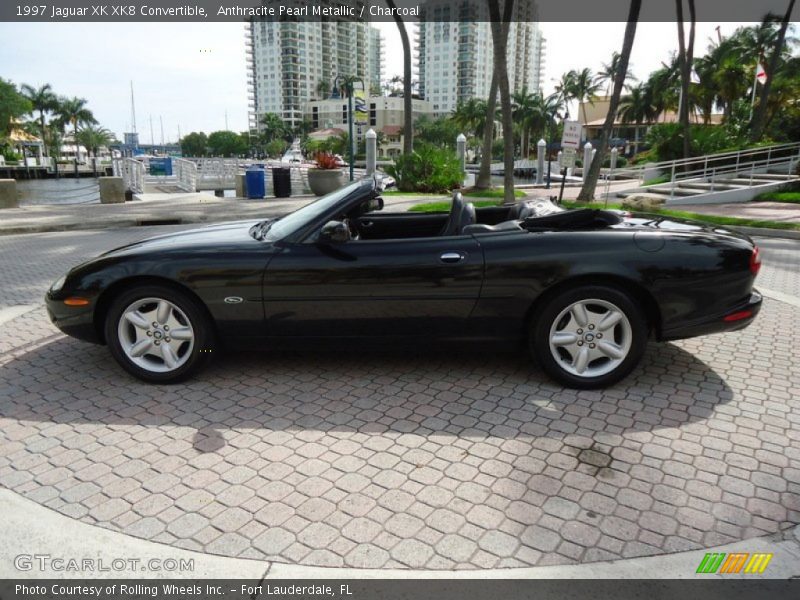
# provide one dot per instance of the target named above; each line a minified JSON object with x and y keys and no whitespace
{"x":738,"y":318}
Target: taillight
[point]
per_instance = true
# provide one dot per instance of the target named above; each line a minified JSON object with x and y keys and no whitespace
{"x":755,"y":261}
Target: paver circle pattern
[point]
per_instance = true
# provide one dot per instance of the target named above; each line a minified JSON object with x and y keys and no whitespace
{"x":411,"y":461}
{"x":398,"y":459}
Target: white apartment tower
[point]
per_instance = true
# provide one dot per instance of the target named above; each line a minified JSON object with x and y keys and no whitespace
{"x":292,"y":62}
{"x":455,"y":52}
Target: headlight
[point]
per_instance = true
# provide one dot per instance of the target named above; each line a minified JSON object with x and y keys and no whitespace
{"x":58,"y":283}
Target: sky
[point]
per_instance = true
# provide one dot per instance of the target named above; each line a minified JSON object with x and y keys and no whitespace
{"x":191,"y":75}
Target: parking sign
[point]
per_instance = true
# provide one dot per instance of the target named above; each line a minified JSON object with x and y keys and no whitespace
{"x":572,"y":135}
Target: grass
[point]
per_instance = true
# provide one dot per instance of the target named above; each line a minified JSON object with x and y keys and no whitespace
{"x":789,"y":197}
{"x":470,"y":193}
{"x":713,"y":219}
{"x":445,"y":206}
{"x":492,"y":193}
{"x":789,"y":193}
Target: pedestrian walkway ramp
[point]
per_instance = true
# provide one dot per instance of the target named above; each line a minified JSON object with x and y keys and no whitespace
{"x":718,"y":178}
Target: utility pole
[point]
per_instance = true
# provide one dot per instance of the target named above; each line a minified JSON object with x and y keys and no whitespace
{"x":152,"y":137}
{"x":161,"y":121}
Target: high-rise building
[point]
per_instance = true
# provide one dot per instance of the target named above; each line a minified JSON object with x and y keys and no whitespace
{"x":455,"y":53}
{"x":292,"y":62}
{"x":375,"y":59}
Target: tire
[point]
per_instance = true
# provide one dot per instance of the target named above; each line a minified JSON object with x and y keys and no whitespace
{"x":592,"y":347}
{"x":179,"y":332}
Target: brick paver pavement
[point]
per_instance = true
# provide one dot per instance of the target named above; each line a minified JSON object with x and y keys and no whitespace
{"x":429,"y":459}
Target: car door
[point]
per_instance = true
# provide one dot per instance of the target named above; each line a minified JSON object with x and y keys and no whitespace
{"x":410,"y":287}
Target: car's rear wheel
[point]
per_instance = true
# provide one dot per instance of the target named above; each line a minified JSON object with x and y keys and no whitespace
{"x":158,"y":334}
{"x":589,"y":337}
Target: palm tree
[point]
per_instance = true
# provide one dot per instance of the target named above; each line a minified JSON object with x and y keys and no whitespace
{"x":584,"y":89}
{"x":759,"y":117}
{"x":732,"y":79}
{"x":42,"y":100}
{"x":74,"y":111}
{"x":93,"y":138}
{"x":662,"y":88}
{"x":685,"y":54}
{"x":470,"y":116}
{"x":500,"y":26}
{"x":590,"y":183}
{"x":605,"y":76}
{"x":408,"y":117}
{"x":323,"y":88}
{"x":273,"y":128}
{"x":535,"y":113}
{"x":637,"y":108}
{"x":484,"y":179}
{"x":565,"y":87}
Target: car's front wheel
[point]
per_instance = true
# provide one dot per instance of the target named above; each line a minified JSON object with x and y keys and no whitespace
{"x":158,"y":334}
{"x":589,"y":337}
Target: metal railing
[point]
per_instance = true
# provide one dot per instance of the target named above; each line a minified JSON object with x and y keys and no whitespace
{"x":132,"y":173}
{"x":186,"y":173}
{"x":713,"y":169}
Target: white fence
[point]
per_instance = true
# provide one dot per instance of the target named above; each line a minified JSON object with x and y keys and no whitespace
{"x":132,"y":173}
{"x":186,"y":173}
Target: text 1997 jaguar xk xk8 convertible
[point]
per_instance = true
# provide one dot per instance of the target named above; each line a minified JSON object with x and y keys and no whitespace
{"x":586,"y":288}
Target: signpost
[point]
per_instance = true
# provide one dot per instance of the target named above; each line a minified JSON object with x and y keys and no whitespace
{"x":572,"y":135}
{"x":570,"y":142}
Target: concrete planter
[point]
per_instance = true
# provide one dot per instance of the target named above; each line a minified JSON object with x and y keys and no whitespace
{"x":325,"y":181}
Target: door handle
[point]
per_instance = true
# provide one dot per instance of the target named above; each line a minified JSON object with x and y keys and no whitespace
{"x":367,"y":223}
{"x":452,"y":257}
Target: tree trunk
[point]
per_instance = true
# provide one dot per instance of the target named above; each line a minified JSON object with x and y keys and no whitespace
{"x":500,"y":30}
{"x":77,"y":148}
{"x":587,"y":191}
{"x":484,"y":181}
{"x":408,"y":117}
{"x":759,"y":116}
{"x":685,"y":56}
{"x":42,"y":130}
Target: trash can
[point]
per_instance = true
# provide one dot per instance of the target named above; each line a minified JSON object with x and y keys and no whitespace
{"x":282,"y":182}
{"x":254,"y":182}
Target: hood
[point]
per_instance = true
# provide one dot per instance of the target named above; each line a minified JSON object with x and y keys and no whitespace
{"x":223,"y":235}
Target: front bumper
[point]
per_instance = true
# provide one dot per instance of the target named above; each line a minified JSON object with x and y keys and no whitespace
{"x":75,"y":321}
{"x":744,"y":312}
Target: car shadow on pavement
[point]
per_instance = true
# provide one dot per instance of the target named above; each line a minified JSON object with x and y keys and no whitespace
{"x":463,"y":392}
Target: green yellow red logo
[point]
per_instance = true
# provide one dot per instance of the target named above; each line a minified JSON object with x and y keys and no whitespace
{"x":734,"y":562}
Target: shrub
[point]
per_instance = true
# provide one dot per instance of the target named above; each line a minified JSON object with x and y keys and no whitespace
{"x":427,"y":169}
{"x":10,"y":155}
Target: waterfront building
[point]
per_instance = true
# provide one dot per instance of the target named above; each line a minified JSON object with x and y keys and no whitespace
{"x":292,"y":62}
{"x":330,"y":116}
{"x":455,"y":55}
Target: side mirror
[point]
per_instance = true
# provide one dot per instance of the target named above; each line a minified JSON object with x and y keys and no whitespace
{"x":334,"y":232}
{"x":375,"y":204}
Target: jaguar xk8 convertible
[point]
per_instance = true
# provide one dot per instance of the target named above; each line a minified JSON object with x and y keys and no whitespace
{"x":586,"y":288}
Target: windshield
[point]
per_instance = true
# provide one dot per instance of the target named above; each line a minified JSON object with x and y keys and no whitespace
{"x":294,"y":221}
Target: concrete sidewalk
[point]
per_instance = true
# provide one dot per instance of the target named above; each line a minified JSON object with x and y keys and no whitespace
{"x":161,"y":209}
{"x":29,"y":531}
{"x":166,"y":209}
